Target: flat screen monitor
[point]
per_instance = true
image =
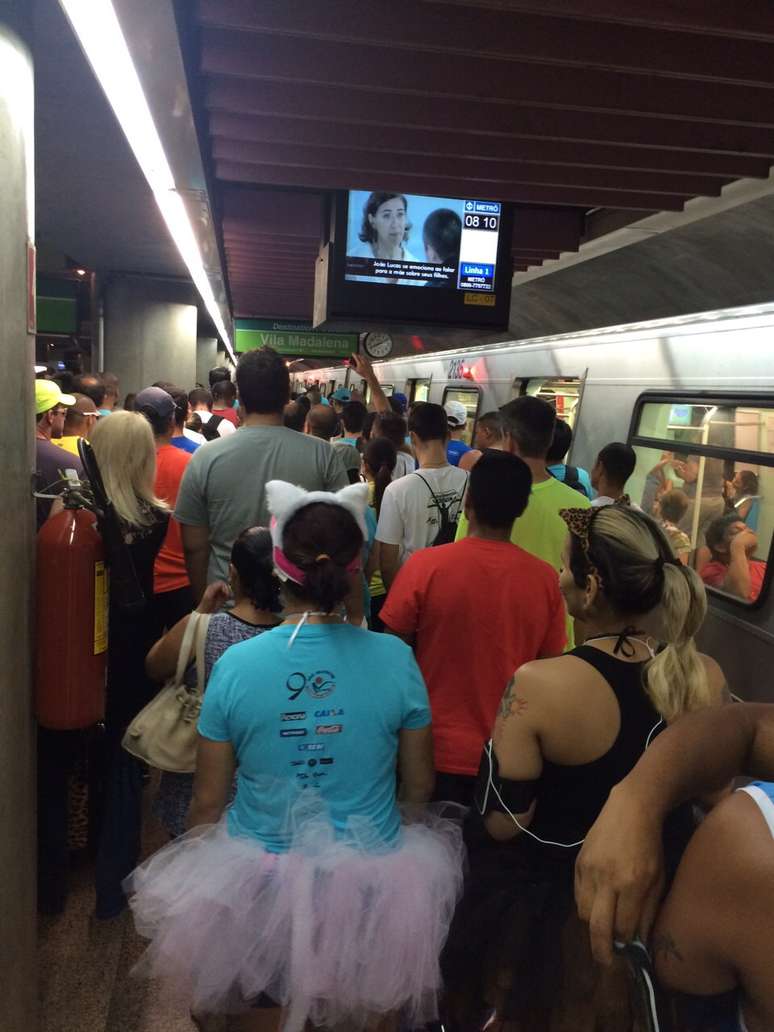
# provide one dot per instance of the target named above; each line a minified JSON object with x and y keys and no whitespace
{"x":409,"y":257}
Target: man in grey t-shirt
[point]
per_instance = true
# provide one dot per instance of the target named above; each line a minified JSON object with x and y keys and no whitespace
{"x":222,"y":490}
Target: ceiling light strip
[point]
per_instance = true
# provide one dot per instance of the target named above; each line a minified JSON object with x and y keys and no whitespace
{"x":96,"y":25}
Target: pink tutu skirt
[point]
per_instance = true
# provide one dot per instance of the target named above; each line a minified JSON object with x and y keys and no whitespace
{"x":334,"y":930}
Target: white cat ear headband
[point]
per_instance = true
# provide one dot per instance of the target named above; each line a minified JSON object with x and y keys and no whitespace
{"x":284,"y":500}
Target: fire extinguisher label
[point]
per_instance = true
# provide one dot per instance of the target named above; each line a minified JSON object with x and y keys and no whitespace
{"x":100,"y":608}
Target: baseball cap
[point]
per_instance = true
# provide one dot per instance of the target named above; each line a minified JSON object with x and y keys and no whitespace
{"x":48,"y":393}
{"x":156,"y":399}
{"x":400,"y":399}
{"x":456,"y":413}
{"x":341,"y":394}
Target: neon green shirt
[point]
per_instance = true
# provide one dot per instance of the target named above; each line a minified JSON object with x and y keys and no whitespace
{"x":541,"y":530}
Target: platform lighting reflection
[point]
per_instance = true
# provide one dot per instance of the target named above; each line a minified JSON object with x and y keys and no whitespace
{"x":98,"y":30}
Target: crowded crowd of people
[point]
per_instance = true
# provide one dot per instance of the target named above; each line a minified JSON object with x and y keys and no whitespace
{"x":433,"y":673}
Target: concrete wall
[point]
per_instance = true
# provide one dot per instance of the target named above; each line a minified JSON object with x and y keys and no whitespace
{"x":18,"y":988}
{"x":207,"y":358}
{"x":720,"y":261}
{"x":150,"y":332}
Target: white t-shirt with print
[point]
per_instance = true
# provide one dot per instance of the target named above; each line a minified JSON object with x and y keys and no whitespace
{"x":409,"y":516}
{"x":225,"y":426}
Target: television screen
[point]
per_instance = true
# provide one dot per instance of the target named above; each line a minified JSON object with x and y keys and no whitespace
{"x":407,"y":240}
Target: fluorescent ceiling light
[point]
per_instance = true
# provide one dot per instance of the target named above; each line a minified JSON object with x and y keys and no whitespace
{"x":98,"y":30}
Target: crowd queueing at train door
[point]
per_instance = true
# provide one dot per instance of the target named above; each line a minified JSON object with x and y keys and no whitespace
{"x":415,"y":707}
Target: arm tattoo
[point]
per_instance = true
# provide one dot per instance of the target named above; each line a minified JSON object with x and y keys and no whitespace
{"x":511,"y":704}
{"x":666,"y":944}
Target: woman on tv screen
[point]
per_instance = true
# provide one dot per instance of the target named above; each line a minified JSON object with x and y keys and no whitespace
{"x":385,"y":230}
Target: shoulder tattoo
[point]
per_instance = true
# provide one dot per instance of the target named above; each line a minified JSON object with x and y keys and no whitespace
{"x":512,"y":704}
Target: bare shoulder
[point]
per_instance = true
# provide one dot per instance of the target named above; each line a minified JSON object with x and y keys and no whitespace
{"x":715,"y":678}
{"x":547,"y":680}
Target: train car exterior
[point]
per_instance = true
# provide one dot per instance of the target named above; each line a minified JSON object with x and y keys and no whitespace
{"x":701,"y":385}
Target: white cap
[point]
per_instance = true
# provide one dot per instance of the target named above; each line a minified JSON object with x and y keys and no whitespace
{"x":456,"y":414}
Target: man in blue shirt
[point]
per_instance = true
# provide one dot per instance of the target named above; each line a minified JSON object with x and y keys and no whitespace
{"x":573,"y":476}
{"x":457,"y":417}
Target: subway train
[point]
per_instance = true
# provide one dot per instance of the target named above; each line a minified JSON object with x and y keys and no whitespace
{"x":701,"y":384}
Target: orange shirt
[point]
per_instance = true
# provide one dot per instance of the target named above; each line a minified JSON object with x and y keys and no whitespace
{"x":169,"y":572}
{"x":478,"y":610}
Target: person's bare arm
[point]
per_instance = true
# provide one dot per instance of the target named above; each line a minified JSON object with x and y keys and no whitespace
{"x":196,"y":548}
{"x":469,"y":459}
{"x":415,"y":765}
{"x":619,"y":872}
{"x":161,"y":661}
{"x":737,"y":579}
{"x":389,"y":558}
{"x":373,"y":562}
{"x":364,"y":369}
{"x":215,"y":765}
{"x":516,"y":744}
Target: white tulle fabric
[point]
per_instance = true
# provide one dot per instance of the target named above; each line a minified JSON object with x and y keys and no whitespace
{"x":336,"y":930}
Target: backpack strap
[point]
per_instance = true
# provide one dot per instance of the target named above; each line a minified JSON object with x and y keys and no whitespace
{"x":439,"y":505}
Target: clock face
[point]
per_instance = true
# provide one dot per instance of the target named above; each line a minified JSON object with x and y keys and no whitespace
{"x":377,"y":345}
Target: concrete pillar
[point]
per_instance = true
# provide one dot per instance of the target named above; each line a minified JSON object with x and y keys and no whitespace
{"x":18,"y":990}
{"x":150,"y":332}
{"x":206,"y":358}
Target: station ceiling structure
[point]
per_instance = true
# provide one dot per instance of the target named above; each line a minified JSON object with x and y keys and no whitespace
{"x":570,"y":109}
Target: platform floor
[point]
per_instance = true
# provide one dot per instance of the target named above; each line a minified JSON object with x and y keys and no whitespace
{"x":83,"y":965}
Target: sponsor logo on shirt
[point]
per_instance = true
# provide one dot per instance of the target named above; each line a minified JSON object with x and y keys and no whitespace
{"x":320,"y":774}
{"x":326,"y":759}
{"x":328,"y":713}
{"x":329,"y":729}
{"x":303,"y":777}
{"x":293,"y":732}
{"x":311,"y":747}
{"x":318,"y":685}
{"x":298,"y":715}
{"x":297,"y":763}
{"x":311,"y":763}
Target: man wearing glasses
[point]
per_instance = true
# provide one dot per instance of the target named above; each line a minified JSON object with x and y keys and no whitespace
{"x":51,"y":461}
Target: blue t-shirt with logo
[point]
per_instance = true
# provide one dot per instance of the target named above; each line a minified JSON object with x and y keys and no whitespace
{"x":326,"y":714}
{"x":455,"y":450}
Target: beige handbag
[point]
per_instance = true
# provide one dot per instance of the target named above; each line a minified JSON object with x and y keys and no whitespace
{"x":163,"y":733}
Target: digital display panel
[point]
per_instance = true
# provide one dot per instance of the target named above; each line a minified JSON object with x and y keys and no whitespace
{"x":408,"y":240}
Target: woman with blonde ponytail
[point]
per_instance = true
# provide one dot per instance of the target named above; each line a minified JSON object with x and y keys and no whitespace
{"x":568,"y":730}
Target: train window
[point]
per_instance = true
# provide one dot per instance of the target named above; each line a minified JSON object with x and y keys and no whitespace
{"x":388,"y":389}
{"x":564,"y":393}
{"x":419,"y":390}
{"x":471,"y":399}
{"x":705,"y":469}
{"x":331,"y":387}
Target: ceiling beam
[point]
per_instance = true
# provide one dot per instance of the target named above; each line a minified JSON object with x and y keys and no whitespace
{"x":445,"y":143}
{"x":524,"y":36}
{"x":385,"y":165}
{"x":333,"y":179}
{"x":331,"y":104}
{"x":286,"y":59}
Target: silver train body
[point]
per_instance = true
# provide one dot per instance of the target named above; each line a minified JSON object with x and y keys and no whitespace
{"x":598,"y":378}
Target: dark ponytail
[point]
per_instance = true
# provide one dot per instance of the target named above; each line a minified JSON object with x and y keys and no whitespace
{"x":251,"y":556}
{"x":322,"y":540}
{"x":380,"y":457}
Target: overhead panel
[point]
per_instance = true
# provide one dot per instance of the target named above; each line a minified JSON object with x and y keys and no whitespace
{"x":558,"y":106}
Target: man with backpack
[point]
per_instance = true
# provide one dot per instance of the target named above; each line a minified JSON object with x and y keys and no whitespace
{"x":482,"y":590}
{"x":574,"y":476}
{"x":423,"y":507}
{"x":211,"y":426}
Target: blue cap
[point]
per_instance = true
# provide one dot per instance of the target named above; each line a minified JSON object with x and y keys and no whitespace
{"x":401,"y":400}
{"x":341,"y":394}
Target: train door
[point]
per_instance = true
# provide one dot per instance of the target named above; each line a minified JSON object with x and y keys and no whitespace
{"x":471,"y":399}
{"x":419,"y":390}
{"x":388,"y":388}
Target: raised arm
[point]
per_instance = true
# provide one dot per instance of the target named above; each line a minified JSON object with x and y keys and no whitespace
{"x":619,"y":873}
{"x":364,"y":369}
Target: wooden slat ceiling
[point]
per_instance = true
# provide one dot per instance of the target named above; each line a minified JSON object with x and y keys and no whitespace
{"x":560,"y":106}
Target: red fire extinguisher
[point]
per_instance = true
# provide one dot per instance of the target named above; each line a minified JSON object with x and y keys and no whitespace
{"x":72,"y":621}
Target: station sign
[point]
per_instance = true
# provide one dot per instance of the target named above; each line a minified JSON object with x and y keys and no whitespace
{"x":293,"y":343}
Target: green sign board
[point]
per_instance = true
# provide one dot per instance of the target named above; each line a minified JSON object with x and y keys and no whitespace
{"x":297,"y":344}
{"x":56,"y":314}
{"x":297,"y":325}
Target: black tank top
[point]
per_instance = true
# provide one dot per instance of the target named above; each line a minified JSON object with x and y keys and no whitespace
{"x":569,"y":799}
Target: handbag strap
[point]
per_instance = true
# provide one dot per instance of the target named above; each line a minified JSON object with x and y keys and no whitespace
{"x":186,"y":647}
{"x":202,"y":626}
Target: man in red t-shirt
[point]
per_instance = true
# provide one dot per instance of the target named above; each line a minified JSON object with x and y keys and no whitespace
{"x":223,"y":398}
{"x":172,"y":596}
{"x":732,"y":567}
{"x":475,"y":611}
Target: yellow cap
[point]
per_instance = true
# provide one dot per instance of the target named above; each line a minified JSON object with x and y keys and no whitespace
{"x":48,"y":393}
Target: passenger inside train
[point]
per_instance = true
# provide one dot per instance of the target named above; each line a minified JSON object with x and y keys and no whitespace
{"x":543,"y":653}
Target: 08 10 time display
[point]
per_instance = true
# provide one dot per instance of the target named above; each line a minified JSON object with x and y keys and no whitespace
{"x":475,"y":221}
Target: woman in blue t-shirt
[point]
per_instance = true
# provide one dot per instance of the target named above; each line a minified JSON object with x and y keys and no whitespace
{"x":310,"y":898}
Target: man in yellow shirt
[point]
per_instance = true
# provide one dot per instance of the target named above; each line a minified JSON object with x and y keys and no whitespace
{"x":529,"y":425}
{"x":79,"y":421}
